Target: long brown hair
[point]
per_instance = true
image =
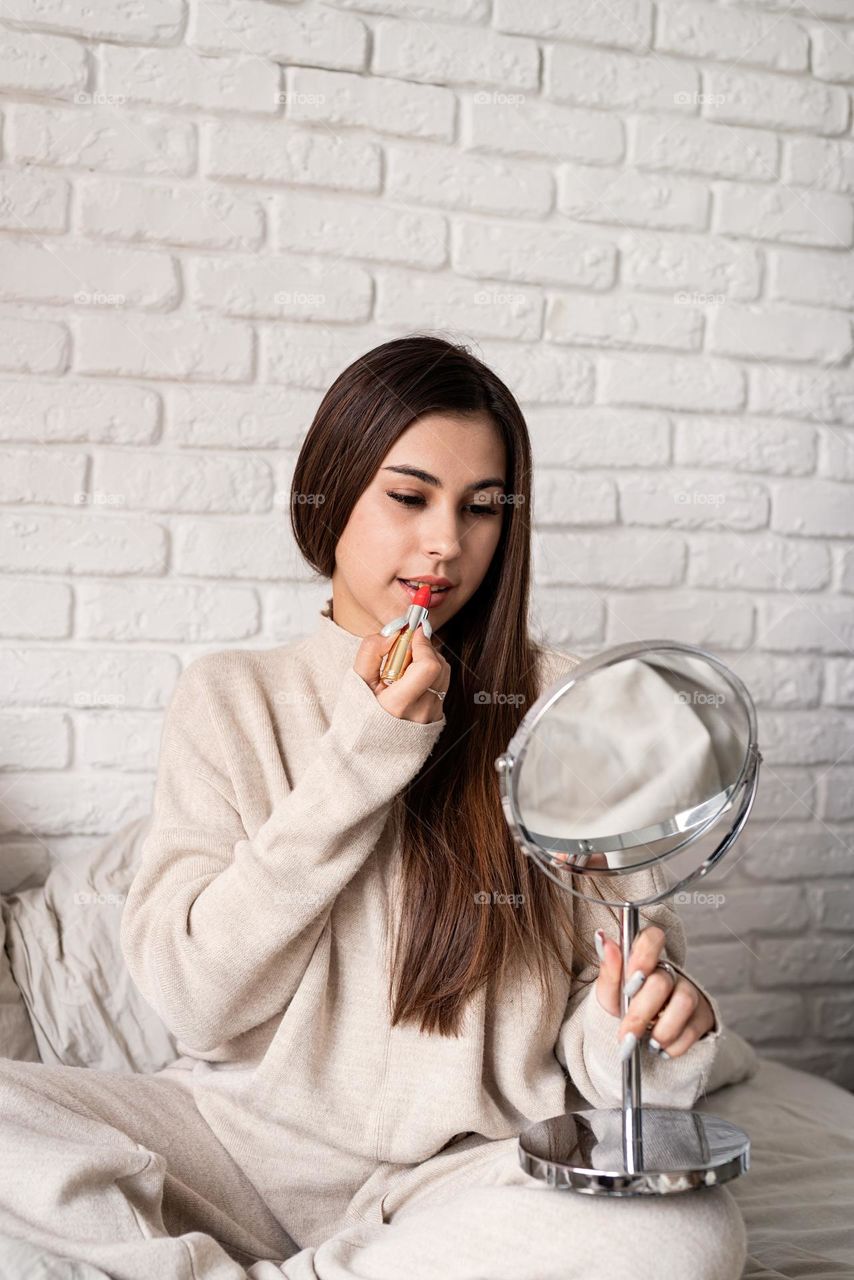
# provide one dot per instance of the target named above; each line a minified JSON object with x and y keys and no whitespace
{"x":456,"y":847}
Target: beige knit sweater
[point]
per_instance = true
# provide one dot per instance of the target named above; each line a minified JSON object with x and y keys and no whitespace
{"x":257,"y":925}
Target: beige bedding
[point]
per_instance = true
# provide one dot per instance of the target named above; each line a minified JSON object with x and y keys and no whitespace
{"x":66,"y":997}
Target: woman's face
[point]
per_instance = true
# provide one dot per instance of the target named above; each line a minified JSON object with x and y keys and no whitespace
{"x":448,"y":526}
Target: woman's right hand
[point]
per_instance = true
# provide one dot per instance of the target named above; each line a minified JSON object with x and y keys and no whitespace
{"x":408,"y":698}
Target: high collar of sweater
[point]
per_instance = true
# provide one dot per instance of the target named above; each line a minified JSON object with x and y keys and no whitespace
{"x":332,"y":649}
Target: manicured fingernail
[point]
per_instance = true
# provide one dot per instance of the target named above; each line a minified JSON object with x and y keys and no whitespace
{"x":628,"y":1045}
{"x":599,"y":939}
{"x":635,"y":983}
{"x":664,"y":1054}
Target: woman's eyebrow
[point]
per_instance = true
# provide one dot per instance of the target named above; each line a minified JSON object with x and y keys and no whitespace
{"x":405,"y":470}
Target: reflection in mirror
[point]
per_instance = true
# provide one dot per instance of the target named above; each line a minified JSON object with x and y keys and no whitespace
{"x":631,"y":760}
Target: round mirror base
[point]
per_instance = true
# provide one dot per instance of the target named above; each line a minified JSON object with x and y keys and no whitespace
{"x":682,"y":1151}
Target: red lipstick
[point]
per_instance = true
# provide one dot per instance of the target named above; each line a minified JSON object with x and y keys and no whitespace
{"x":399,"y":655}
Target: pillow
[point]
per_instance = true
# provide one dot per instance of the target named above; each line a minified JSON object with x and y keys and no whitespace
{"x":62,"y":940}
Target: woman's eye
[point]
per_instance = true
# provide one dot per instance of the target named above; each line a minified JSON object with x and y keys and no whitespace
{"x":479,"y":508}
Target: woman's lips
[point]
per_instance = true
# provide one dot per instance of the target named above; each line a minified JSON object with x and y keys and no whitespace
{"x":436,"y":596}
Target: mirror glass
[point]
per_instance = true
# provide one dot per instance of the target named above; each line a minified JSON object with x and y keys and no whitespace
{"x":633,"y":762}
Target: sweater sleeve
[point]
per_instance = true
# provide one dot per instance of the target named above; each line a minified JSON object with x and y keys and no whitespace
{"x":587,"y":1045}
{"x":217,"y":928}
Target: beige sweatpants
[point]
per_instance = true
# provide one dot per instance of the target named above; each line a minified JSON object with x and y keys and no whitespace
{"x":122,"y":1172}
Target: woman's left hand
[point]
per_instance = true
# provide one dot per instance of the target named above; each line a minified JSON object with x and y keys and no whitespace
{"x":683,"y":1013}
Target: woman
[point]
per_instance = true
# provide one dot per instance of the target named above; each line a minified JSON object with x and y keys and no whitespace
{"x":371,"y":990}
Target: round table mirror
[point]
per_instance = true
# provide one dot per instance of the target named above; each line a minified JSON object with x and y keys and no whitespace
{"x":645,"y":755}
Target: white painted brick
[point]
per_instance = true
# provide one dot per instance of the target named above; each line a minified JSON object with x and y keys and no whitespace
{"x":686,"y":500}
{"x":846,"y":578}
{"x":184,"y":482}
{"x":839,"y":685}
{"x":834,"y":1018}
{"x":622,"y":321}
{"x":624,"y":23}
{"x":597,"y":78}
{"x":779,"y":333}
{"x":698,"y":146}
{"x":452,"y":10}
{"x":82,"y":543}
{"x":86,"y":276}
{"x":41,"y":475}
{"x":479,"y":307}
{"x":764,"y":1016}
{"x":308,"y":223}
{"x":33,"y":346}
{"x":632,"y":199}
{"x":760,"y":563}
{"x":705,"y":31}
{"x":536,"y":128}
{"x":232,"y":418}
{"x":311,"y":356}
{"x":807,"y":8}
{"x":208,"y":217}
{"x":823,"y":279}
{"x":698,"y":269}
{"x":286,"y":285}
{"x":103,"y":139}
{"x":601,"y":559}
{"x":32,"y":202}
{"x":569,"y":618}
{"x":428,"y":173}
{"x":836,"y":458}
{"x":796,"y":393}
{"x":720,"y":910}
{"x":566,"y":499}
{"x":534,"y":254}
{"x":93,"y":677}
{"x":169,"y":347}
{"x":785,"y":962}
{"x":710,"y":619}
{"x":180,"y":78}
{"x":783,"y":213}
{"x":269,"y":153}
{"x":833,"y":52}
{"x":314,"y":37}
{"x":775,"y":680}
{"x":836,"y":797}
{"x":836,"y":907}
{"x":155,"y":22}
{"x":774,"y":102}
{"x":819,"y":626}
{"x":84,"y":803}
{"x":117,"y":740}
{"x":47,"y":412}
{"x":385,"y":105}
{"x":823,"y":162}
{"x":541,"y":374}
{"x":42,"y":64}
{"x":788,"y":795}
{"x":598,"y":437}
{"x":745,"y":444}
{"x":180,"y":612}
{"x":34,"y":610}
{"x":261,"y":549}
{"x":438,"y":54}
{"x":34,"y":741}
{"x":818,"y":508}
{"x":669,"y":382}
{"x":721,"y":967}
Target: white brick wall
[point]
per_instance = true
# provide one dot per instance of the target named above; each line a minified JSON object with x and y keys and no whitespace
{"x":640,"y":213}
